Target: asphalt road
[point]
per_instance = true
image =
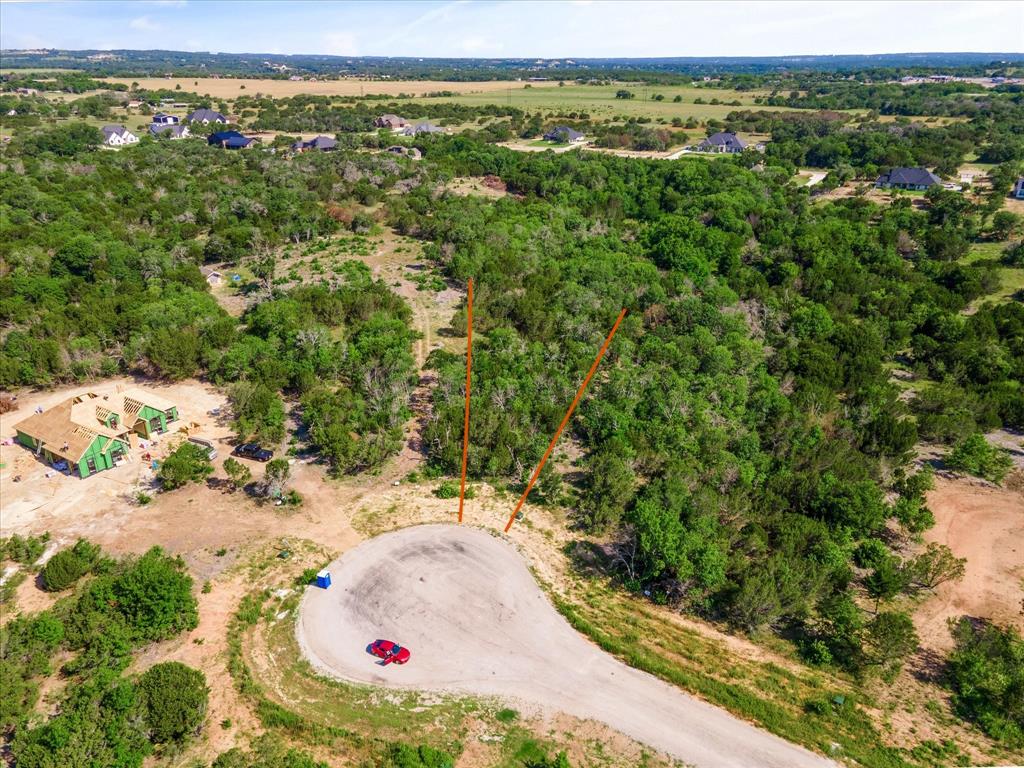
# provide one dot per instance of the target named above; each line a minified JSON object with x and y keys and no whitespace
{"x":464,"y":603}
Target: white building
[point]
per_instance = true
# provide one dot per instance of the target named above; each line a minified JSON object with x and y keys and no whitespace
{"x":118,"y":136}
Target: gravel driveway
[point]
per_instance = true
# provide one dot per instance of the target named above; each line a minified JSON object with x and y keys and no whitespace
{"x":463,"y":602}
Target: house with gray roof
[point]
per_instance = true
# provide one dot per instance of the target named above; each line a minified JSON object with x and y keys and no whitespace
{"x":171,"y":131}
{"x":723,"y":141}
{"x":162,"y":118}
{"x":1018,"y":189}
{"x":563,"y":134}
{"x":320,"y":143}
{"x":206,"y":116}
{"x":916,"y":179}
{"x":118,"y":136}
{"x":416,"y":130}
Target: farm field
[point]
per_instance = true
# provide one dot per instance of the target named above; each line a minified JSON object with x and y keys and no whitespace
{"x":600,"y":103}
{"x":229,"y":88}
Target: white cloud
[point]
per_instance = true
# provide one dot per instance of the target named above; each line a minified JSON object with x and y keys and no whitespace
{"x":144,"y":24}
{"x":341,"y":44}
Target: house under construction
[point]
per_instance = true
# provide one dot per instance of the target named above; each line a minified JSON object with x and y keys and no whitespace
{"x":92,"y":432}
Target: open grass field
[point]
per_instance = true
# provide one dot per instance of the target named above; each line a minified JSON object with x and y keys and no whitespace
{"x":1011,"y":279}
{"x":229,"y":88}
{"x":599,"y":101}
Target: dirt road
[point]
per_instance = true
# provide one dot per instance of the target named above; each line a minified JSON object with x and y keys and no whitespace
{"x":476,"y":622}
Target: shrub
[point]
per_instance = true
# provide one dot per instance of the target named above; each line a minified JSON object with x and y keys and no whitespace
{"x":977,"y":457}
{"x":189,"y":463}
{"x":23,"y":550}
{"x":69,"y":565}
{"x":154,"y":595}
{"x":238,"y":474}
{"x":448,"y":489}
{"x":986,"y":672}
{"x":175,"y":698}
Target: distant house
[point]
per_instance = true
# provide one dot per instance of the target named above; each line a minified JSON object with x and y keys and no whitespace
{"x":172,"y":131}
{"x":26,"y":91}
{"x":134,"y":103}
{"x":563,"y":134}
{"x":118,"y":136}
{"x":230,"y":140}
{"x":213,"y":277}
{"x":416,"y":130}
{"x":722,"y":141}
{"x":398,"y":149}
{"x":206,"y":116}
{"x":917,"y":179}
{"x":1018,"y":189}
{"x":12,"y":112}
{"x":321,"y":143}
{"x":162,"y":118}
{"x":394,"y":122}
{"x":93,"y":433}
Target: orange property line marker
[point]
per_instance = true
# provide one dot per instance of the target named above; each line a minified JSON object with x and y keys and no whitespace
{"x":565,"y":420}
{"x":469,"y":368}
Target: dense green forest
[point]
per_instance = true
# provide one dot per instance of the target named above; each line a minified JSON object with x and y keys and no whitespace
{"x":745,"y":433}
{"x":101,"y":274}
{"x":744,"y":445}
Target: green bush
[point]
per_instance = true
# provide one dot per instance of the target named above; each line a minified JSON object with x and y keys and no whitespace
{"x":69,"y":565}
{"x":23,"y":550}
{"x":448,"y":489}
{"x":189,"y":463}
{"x":175,"y":697}
{"x":154,"y":596}
{"x":977,"y":457}
{"x":986,"y":672}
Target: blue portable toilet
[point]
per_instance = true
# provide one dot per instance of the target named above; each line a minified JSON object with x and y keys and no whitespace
{"x":323,"y":579}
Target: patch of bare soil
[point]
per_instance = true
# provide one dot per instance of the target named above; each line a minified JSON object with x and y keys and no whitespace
{"x":481,"y":186}
{"x":985,"y":525}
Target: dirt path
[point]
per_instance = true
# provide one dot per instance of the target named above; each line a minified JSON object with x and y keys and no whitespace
{"x":477,"y":623}
{"x":985,"y":525}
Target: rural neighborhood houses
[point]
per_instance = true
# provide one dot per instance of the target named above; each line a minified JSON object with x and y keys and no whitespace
{"x":393,"y":122}
{"x":321,"y":143}
{"x":722,"y":141}
{"x":916,"y":179}
{"x":416,"y":130}
{"x":161,"y":118}
{"x":118,"y":136}
{"x":398,"y":149}
{"x":563,"y":134}
{"x":1018,"y":189}
{"x":91,"y":433}
{"x":206,"y":116}
{"x":230,"y":140}
{"x":172,"y":131}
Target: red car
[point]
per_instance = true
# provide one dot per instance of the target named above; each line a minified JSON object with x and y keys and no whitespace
{"x":390,"y":652}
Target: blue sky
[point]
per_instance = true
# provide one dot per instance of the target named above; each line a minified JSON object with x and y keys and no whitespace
{"x":551,"y":29}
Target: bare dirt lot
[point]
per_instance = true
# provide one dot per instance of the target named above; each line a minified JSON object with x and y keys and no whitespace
{"x":233,"y":87}
{"x":477,"y":623}
{"x":985,"y":525}
{"x":42,"y":499}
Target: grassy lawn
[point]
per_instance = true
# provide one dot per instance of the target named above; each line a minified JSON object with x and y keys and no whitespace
{"x":1011,"y":279}
{"x":600,"y":103}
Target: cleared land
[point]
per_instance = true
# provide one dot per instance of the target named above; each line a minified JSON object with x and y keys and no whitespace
{"x":985,"y":525}
{"x":477,"y":623}
{"x":599,"y":101}
{"x":226,"y":87}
